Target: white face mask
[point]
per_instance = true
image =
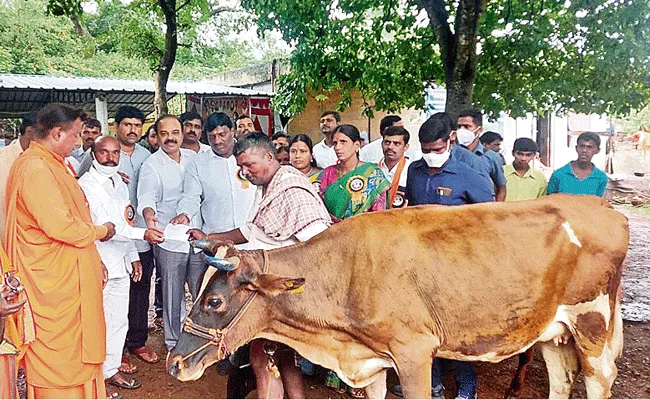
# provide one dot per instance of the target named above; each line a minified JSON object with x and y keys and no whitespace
{"x":465,"y":137}
{"x":104,"y":170}
{"x":437,"y":160}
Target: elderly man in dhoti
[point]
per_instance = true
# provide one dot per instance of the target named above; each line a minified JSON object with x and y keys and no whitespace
{"x":108,"y":198}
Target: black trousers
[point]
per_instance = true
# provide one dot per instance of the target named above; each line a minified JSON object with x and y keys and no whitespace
{"x":138,"y":332}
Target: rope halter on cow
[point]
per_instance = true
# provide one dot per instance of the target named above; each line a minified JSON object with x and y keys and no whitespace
{"x":217,"y":337}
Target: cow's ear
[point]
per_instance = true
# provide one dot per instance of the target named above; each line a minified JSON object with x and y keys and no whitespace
{"x":273,"y":285}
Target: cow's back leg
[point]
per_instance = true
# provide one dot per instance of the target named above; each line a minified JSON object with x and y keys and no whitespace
{"x":599,"y":347}
{"x":562,"y":366}
{"x":377,"y":389}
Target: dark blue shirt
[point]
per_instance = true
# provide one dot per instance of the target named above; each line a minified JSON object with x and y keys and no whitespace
{"x":455,"y":184}
{"x":494,"y":164}
{"x":472,"y":160}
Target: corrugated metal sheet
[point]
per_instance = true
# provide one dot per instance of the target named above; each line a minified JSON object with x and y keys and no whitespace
{"x":46,"y":82}
{"x":20,"y":94}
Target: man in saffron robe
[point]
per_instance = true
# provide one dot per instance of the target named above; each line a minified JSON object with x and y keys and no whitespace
{"x":50,"y":242}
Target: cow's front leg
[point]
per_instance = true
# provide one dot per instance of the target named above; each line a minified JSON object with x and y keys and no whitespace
{"x":415,"y":377}
{"x":377,"y":389}
{"x":268,"y":386}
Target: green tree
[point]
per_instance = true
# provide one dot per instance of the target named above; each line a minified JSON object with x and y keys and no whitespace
{"x":511,"y":55}
{"x":139,"y":31}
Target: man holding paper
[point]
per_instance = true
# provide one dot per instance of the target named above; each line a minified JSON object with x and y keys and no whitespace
{"x":108,"y":198}
{"x":159,"y":190}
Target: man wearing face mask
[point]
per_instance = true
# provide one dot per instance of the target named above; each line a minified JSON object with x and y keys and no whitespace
{"x":440,"y":178}
{"x":108,"y":198}
{"x":467,"y":135}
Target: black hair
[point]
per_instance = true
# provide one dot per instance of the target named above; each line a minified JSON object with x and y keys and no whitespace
{"x":166,"y":116}
{"x":128,"y":112}
{"x":242,"y":117}
{"x":524,"y":144}
{"x":56,"y":115}
{"x":278,"y":135}
{"x":397,"y":131}
{"x":334,"y":114}
{"x":215,"y":120}
{"x":28,"y":120}
{"x":92,"y":123}
{"x":589,"y":136}
{"x":281,"y":149}
{"x":388,"y":121}
{"x":306,"y":140}
{"x":476,"y":115}
{"x":438,"y":127}
{"x":350,"y":131}
{"x":490,"y":137}
{"x":254,"y":139}
{"x":189,"y":115}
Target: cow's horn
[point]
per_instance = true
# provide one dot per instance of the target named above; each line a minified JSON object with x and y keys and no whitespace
{"x":223,"y":264}
{"x":203,"y":244}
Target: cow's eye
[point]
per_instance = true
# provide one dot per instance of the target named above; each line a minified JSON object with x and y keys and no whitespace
{"x":214,"y":302}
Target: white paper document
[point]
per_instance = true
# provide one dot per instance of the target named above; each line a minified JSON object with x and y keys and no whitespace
{"x":177,"y":233}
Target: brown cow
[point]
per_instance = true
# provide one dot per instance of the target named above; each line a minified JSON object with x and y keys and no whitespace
{"x":392,"y":289}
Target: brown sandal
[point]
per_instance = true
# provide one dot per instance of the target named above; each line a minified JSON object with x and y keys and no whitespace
{"x":146,"y":354}
{"x":126,"y":367}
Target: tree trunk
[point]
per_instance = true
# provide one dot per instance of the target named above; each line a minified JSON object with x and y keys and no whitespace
{"x":457,"y":49}
{"x":461,"y":76}
{"x":168,"y":57}
{"x":79,"y":26}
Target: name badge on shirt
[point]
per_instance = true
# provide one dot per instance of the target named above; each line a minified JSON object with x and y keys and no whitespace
{"x":242,"y":180}
{"x":129,"y":214}
{"x":443,"y":191}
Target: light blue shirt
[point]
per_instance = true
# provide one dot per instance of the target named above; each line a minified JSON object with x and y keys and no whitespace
{"x":564,"y":180}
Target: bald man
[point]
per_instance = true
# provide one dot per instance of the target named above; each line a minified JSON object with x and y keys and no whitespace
{"x":108,"y":198}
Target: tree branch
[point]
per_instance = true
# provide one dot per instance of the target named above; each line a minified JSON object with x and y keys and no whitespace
{"x":186,"y":2}
{"x":220,"y":10}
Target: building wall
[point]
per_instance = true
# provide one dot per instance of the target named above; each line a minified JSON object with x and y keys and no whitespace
{"x":307,"y":121}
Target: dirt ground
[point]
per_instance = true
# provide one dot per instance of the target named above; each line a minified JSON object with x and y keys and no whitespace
{"x":633,"y":367}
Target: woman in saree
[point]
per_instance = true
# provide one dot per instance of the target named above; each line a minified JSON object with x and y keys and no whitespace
{"x":351,"y":187}
{"x":301,"y":158}
{"x":348,"y":188}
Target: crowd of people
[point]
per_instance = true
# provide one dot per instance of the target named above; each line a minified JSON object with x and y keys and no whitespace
{"x":85,"y":227}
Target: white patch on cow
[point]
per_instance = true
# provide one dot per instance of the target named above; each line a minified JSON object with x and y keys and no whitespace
{"x":572,"y":235}
{"x":373,"y":364}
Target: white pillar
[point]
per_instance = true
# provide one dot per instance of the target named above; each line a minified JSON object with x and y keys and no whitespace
{"x":101,"y":111}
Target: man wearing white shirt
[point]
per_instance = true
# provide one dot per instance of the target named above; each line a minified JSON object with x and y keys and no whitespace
{"x":159,"y":190}
{"x":108,"y":198}
{"x":323,"y":151}
{"x":214,"y":190}
{"x":128,"y":130}
{"x":287,"y":210}
{"x":91,"y":129}
{"x":395,"y":164}
{"x":192,"y":129}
